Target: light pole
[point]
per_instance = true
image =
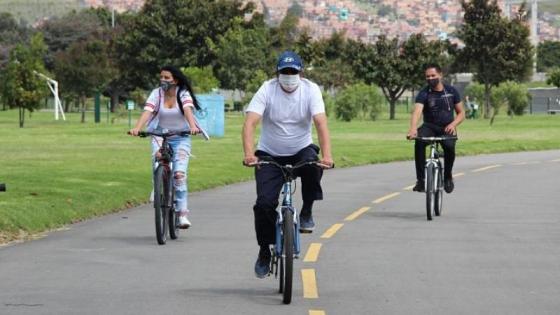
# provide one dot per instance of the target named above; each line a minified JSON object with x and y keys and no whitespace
{"x":534,"y":24}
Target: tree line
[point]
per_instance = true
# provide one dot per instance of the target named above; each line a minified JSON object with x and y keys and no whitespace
{"x":227,"y":43}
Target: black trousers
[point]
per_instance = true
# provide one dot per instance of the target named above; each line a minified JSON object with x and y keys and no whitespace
{"x":431,"y":130}
{"x":269,"y":182}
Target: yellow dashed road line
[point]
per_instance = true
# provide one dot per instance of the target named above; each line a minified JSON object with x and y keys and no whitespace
{"x":408,"y":187}
{"x":332,"y":230}
{"x":312,"y":252}
{"x":486,"y":168}
{"x":459,"y":175}
{"x":389,"y":196}
{"x":317,"y":312}
{"x":309,"y":284}
{"x":557,"y":160}
{"x":356,"y":214}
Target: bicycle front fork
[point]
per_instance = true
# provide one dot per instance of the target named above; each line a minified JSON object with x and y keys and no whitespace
{"x":438,"y":170}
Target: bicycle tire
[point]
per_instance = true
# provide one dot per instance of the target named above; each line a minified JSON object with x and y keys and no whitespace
{"x":160,"y":205}
{"x":430,"y":194}
{"x":439,"y":192}
{"x":288,"y":255}
{"x":281,"y":276}
{"x":173,"y":218}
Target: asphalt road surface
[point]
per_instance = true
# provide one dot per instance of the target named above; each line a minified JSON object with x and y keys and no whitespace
{"x":494,"y":250}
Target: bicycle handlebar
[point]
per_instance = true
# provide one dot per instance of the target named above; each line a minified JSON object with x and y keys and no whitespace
{"x":435,"y":139}
{"x":288,"y":167}
{"x":182,"y":133}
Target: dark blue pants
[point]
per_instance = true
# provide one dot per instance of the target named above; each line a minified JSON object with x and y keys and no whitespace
{"x":269,"y":182}
{"x":431,"y":130}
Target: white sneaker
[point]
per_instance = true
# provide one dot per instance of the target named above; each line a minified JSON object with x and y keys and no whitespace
{"x":151,"y":199}
{"x":184,"y":222}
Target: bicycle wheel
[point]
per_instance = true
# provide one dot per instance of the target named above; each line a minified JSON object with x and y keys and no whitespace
{"x":160,"y":204}
{"x":438,"y":191}
{"x":430,"y":193}
{"x":173,"y":217}
{"x":288,"y":255}
{"x":281,"y":278}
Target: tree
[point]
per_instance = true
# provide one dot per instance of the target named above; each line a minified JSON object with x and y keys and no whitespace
{"x":286,"y":34}
{"x":554,"y":77}
{"x":77,"y":26}
{"x":11,"y":33}
{"x":496,"y":49}
{"x":548,"y":55}
{"x":73,"y":27}
{"x":22,"y":88}
{"x":84,"y":69}
{"x":239,"y":54}
{"x":178,"y":33}
{"x":397,"y":66}
{"x":328,"y":61}
{"x":202,"y":79}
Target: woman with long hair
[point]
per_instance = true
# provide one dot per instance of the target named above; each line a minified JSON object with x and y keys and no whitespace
{"x":171,"y":107}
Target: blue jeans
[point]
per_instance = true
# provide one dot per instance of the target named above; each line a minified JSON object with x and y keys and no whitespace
{"x":181,"y":151}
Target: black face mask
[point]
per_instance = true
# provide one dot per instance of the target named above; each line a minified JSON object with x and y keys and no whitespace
{"x":433,"y":82}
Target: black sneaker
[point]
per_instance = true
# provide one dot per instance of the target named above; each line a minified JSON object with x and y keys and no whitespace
{"x":306,"y":224}
{"x":448,"y":185}
{"x":262,"y":265}
{"x":419,"y":187}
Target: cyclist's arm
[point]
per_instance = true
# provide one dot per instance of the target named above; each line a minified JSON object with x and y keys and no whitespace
{"x":451,"y":128}
{"x":414,"y":118}
{"x":252,"y":119}
{"x":141,"y":122}
{"x":190,"y":119}
{"x":320,"y":121}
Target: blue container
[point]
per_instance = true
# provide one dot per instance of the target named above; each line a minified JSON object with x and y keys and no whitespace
{"x":211,"y":117}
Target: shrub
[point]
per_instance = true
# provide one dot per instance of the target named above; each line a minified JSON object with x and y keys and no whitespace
{"x":358,"y":100}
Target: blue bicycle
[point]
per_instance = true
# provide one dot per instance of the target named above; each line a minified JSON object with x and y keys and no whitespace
{"x":287,"y":244}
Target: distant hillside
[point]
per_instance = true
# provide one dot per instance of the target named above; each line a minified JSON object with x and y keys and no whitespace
{"x":32,"y":11}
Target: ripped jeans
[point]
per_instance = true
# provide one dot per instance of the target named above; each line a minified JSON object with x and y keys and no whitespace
{"x":181,"y":151}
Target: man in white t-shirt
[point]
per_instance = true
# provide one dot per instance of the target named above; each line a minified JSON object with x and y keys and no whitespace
{"x":288,"y":105}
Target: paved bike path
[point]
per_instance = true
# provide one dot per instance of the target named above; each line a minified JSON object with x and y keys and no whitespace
{"x":494,"y":250}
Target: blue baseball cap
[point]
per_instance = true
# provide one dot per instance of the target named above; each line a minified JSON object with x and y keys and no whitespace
{"x":289,"y":59}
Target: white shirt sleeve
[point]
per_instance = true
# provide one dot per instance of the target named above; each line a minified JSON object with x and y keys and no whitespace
{"x":258,"y":102}
{"x":186,"y":99}
{"x":317,"y":105}
{"x":152,"y":101}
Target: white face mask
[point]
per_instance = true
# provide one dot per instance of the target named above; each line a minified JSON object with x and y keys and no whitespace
{"x":289,"y":82}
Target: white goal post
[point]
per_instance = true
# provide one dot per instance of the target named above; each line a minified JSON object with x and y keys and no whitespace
{"x":53,"y":86}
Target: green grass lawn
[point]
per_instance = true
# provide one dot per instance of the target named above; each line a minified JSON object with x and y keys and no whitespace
{"x":60,"y":172}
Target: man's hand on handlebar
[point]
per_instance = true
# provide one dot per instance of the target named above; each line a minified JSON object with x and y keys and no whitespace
{"x":250,"y":160}
{"x":451,"y":129}
{"x":412,"y":133}
{"x":326,"y":163}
